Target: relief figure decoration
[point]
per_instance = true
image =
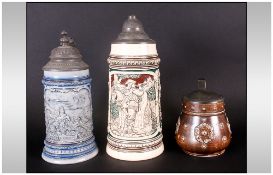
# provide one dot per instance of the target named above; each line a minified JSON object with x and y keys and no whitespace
{"x":133,"y":104}
{"x":68,"y":115}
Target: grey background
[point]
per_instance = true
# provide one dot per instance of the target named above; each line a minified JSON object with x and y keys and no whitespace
{"x":14,"y":87}
{"x":193,"y":40}
{"x":258,"y":87}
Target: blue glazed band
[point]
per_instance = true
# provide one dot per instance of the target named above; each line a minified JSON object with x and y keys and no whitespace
{"x":66,"y":78}
{"x":65,"y":82}
{"x":78,"y":151}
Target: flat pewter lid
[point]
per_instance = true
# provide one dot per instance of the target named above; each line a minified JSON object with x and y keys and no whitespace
{"x":202,"y":95}
{"x":65,"y":57}
{"x":133,"y":33}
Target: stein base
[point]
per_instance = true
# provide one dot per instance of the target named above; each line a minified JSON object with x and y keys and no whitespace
{"x":72,"y":160}
{"x":206,"y":155}
{"x":134,"y":156}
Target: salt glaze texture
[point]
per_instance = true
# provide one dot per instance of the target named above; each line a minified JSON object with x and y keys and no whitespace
{"x":68,"y":106}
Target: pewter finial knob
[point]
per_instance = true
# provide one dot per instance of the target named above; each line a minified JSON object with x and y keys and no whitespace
{"x":132,"y":24}
{"x":63,"y":33}
{"x":201,"y":84}
{"x":133,"y":32}
{"x":64,"y":40}
{"x":132,"y":17}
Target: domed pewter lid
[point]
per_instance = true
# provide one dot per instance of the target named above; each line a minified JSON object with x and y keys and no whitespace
{"x":202,"y":95}
{"x":133,"y":33}
{"x":66,"y":57}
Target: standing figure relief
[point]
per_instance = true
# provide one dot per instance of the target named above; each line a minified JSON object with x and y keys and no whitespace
{"x":132,"y":105}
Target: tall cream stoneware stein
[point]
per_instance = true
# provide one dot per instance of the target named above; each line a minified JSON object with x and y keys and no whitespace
{"x":134,"y":116}
{"x":68,"y":106}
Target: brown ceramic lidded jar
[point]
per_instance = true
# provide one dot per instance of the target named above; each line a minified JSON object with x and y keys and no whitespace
{"x":203,"y":129}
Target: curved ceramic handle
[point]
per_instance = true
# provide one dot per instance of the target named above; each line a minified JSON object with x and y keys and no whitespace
{"x":201,"y":84}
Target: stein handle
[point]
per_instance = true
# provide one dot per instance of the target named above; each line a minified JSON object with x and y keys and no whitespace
{"x":201,"y":82}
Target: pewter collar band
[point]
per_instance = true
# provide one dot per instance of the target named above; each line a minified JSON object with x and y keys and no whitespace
{"x":146,"y":62}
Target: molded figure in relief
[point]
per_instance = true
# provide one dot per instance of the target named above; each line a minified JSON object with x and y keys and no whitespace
{"x":68,"y":115}
{"x":133,"y":105}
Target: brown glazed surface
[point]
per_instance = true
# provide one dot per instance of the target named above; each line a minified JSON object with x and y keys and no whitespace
{"x":203,"y":129}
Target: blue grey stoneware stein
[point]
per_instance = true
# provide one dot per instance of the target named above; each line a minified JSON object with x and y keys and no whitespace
{"x":68,"y":106}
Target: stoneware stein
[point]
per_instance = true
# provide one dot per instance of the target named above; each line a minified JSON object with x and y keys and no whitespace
{"x":134,"y":117}
{"x":68,"y":106}
{"x":203,"y":129}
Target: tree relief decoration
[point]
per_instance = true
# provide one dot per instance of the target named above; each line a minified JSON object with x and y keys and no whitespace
{"x":134,"y":104}
{"x":68,"y":114}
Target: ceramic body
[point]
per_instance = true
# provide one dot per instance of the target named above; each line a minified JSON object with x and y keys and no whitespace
{"x":203,"y":129}
{"x":68,"y":117}
{"x":134,"y":117}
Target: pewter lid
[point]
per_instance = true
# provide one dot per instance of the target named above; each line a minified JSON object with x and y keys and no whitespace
{"x":202,"y":95}
{"x":65,"y":57}
{"x":133,"y":33}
